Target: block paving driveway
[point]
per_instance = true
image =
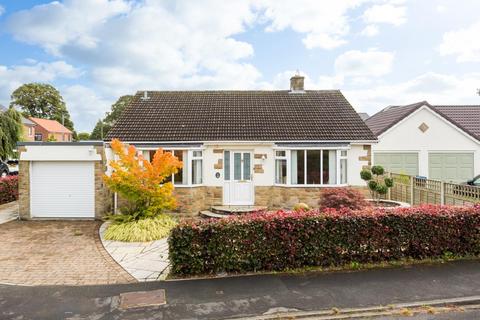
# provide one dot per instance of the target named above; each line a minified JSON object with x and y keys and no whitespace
{"x":56,"y":253}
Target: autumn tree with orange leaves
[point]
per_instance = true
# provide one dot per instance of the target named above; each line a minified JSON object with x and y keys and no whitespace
{"x":140,"y":182}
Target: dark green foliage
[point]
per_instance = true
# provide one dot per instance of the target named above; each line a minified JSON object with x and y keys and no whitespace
{"x":103,"y":126}
{"x":388,"y":182}
{"x":10,"y":132}
{"x":372,"y":185}
{"x":286,"y":240}
{"x":366,"y":175}
{"x":84,"y":136}
{"x":378,"y":170}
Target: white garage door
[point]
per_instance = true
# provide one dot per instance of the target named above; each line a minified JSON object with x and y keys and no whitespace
{"x":404,"y":163}
{"x":62,"y":190}
{"x":455,"y":167}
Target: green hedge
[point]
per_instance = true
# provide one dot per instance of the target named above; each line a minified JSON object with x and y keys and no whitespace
{"x":285,"y":240}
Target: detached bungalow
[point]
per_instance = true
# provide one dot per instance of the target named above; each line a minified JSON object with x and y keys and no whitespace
{"x":245,"y":148}
{"x":440,"y":142}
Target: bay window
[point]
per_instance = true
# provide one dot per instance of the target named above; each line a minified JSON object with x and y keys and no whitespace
{"x":311,"y":167}
{"x":192,"y":171}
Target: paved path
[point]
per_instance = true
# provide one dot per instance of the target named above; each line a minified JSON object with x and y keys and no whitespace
{"x":246,"y":296}
{"x":56,"y":253}
{"x":8,"y":212}
{"x":145,"y":261}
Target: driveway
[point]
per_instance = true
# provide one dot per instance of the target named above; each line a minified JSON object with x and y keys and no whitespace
{"x":56,"y":253}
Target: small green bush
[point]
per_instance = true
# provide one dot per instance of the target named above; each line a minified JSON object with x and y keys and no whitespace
{"x":142,"y":230}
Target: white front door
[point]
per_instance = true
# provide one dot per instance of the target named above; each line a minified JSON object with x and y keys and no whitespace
{"x":238,"y":186}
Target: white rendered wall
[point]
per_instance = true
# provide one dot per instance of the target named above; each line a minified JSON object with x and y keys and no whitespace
{"x":59,"y":153}
{"x":441,"y":136}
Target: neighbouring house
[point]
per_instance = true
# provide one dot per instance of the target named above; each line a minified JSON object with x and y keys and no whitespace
{"x":363,"y":115}
{"x":50,"y":130}
{"x":245,"y":148}
{"x":439,"y":142}
{"x":28,"y":129}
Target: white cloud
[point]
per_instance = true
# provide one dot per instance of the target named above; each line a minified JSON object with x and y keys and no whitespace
{"x":85,"y":106}
{"x":389,"y":13}
{"x":281,"y":81}
{"x":324,"y":26}
{"x":462,"y":43}
{"x":371,"y":63}
{"x":2,"y":10}
{"x":436,"y":88}
{"x":370,"y":31}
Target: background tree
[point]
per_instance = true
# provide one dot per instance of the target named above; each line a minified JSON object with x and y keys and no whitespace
{"x":10,"y":132}
{"x":42,"y":100}
{"x":84,"y":136}
{"x":103,"y":126}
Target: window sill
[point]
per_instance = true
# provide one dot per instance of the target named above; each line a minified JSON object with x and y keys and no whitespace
{"x":311,"y":185}
{"x":188,"y":185}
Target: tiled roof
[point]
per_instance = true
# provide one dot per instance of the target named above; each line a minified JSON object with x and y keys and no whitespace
{"x":240,"y":116}
{"x":50,"y":125}
{"x":465,"y":117}
{"x":27,"y":122}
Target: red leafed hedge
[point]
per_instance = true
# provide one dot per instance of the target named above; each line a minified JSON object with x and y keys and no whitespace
{"x":8,"y":189}
{"x":285,"y":240}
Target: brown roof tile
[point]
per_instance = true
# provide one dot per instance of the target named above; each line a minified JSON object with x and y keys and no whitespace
{"x":240,"y":116}
{"x":465,"y":117}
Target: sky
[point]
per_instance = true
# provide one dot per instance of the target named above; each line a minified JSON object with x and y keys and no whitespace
{"x":377,"y":52}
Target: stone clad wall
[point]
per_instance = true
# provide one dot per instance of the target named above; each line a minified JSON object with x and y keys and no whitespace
{"x":24,"y":189}
{"x":191,"y":200}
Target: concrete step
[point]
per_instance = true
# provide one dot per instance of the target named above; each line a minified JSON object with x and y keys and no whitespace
{"x":210,"y":214}
{"x":236,"y":209}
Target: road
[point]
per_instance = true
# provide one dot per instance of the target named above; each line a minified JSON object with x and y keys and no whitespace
{"x":246,"y":296}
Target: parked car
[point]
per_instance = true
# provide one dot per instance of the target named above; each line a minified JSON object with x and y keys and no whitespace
{"x":474,"y":182}
{"x":12,"y":166}
{"x":4,"y":170}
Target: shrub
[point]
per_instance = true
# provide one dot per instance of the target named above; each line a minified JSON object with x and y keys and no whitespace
{"x":340,"y":198}
{"x":301,"y":207}
{"x":285,"y":240}
{"x":141,"y":182}
{"x":377,"y":184}
{"x":8,"y":189}
{"x":147,"y":229}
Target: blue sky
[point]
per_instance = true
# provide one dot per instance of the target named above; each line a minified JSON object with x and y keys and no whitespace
{"x":378,"y":52}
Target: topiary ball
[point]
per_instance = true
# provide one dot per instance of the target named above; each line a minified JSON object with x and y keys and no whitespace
{"x":378,"y":170}
{"x":365,"y":175}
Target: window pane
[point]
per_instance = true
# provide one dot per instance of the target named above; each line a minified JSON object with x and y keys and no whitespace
{"x":197,"y":171}
{"x":313,"y":167}
{"x":343,"y":171}
{"x":246,"y":166}
{"x":226,"y":167}
{"x":178,"y":177}
{"x":237,"y":166}
{"x":298,"y":167}
{"x":343,"y":153}
{"x":280,"y":153}
{"x":197,"y":153}
{"x":281,"y":171}
{"x":329,"y":166}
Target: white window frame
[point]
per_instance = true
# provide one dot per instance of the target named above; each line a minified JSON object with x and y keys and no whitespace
{"x":288,"y":151}
{"x":186,"y":164}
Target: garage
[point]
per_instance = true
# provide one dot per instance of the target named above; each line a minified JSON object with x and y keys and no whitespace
{"x":62,"y":189}
{"x":405,"y":163}
{"x":455,"y":167}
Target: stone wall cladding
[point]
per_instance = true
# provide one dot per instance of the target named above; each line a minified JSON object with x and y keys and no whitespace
{"x":24,"y":189}
{"x":190,"y":201}
{"x":279,"y":197}
{"x":103,"y":196}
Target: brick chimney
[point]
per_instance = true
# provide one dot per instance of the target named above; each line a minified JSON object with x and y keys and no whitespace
{"x":296,"y":83}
